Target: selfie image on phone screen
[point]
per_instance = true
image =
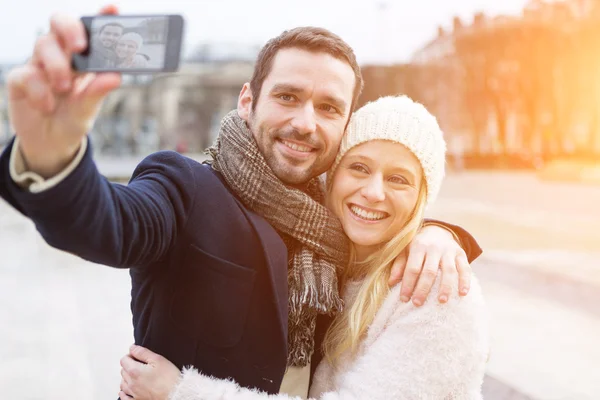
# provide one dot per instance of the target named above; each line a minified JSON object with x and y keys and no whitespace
{"x":123,"y":43}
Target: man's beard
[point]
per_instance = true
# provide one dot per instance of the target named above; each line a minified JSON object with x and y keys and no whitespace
{"x":285,"y":171}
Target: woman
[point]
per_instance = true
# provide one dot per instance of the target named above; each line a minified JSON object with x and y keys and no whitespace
{"x":127,"y":50}
{"x":389,"y":167}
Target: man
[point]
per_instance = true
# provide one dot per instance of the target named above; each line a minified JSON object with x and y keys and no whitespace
{"x":103,"y":46}
{"x":217,"y":253}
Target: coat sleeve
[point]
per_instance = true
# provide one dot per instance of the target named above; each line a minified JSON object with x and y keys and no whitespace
{"x":467,"y":241}
{"x":109,"y":223}
{"x":435,"y":352}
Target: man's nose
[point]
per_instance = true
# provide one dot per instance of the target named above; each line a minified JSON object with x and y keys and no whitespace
{"x":305,"y":121}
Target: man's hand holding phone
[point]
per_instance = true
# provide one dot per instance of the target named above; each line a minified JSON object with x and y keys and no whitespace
{"x":51,"y":107}
{"x":54,"y":98}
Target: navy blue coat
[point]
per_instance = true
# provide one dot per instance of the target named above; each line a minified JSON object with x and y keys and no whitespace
{"x":209,"y":276}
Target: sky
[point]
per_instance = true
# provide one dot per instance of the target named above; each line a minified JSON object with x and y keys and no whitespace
{"x":380,"y":31}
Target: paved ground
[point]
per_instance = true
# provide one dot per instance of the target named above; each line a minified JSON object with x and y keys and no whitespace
{"x":541,"y":277}
{"x":66,"y":322}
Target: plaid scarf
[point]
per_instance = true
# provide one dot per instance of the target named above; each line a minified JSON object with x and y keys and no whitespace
{"x":317,"y":246}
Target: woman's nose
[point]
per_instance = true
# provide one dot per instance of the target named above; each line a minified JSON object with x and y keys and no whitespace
{"x":373,"y":190}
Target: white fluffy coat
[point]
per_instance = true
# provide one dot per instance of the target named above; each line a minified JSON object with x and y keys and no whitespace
{"x":437,"y":352}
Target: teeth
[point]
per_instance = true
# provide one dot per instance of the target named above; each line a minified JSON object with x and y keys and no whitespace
{"x":371,"y":215}
{"x":297,"y":147}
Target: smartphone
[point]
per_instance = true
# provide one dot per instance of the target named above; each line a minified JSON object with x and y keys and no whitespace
{"x":131,"y":44}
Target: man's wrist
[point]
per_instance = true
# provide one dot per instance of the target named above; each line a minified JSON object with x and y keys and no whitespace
{"x":47,"y":164}
{"x":25,"y":178}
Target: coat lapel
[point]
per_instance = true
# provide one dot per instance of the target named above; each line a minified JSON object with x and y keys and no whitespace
{"x":275,"y":253}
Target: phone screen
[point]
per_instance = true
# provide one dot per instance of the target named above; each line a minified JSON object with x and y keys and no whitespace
{"x":122,"y":43}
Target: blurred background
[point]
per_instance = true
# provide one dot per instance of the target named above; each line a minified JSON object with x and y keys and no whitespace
{"x":516,"y":88}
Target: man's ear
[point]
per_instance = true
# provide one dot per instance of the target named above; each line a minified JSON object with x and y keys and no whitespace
{"x":244,"y":105}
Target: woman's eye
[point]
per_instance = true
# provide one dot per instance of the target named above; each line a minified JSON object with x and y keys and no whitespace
{"x":399,"y":179}
{"x":359,"y":168}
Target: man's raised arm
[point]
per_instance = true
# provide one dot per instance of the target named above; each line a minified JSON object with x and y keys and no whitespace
{"x":48,"y":174}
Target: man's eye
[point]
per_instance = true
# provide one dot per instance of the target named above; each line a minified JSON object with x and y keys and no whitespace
{"x":286,"y":97}
{"x":329,"y":108}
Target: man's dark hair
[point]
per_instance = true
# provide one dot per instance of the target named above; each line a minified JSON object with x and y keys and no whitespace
{"x":111,"y":24}
{"x":317,"y":40}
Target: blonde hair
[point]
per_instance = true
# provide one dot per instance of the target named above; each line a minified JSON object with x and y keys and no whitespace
{"x":350,"y":326}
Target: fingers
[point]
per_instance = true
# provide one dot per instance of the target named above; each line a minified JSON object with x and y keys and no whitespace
{"x":398,"y":269}
{"x":97,"y":85}
{"x":124,"y":386}
{"x":449,"y":275}
{"x":125,"y":391}
{"x":416,"y":256}
{"x":110,"y":9}
{"x":69,"y":32}
{"x":54,"y":61}
{"x":129,"y":373}
{"x":53,"y":51}
{"x":126,"y":382}
{"x":29,"y":83}
{"x":464,"y":273}
{"x":131,"y":367}
{"x":427,"y":278}
{"x":125,"y":377}
{"x":142,"y":354}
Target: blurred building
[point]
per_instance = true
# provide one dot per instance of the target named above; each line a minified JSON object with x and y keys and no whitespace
{"x":559,"y":9}
{"x":522,"y":86}
{"x":179,"y":111}
{"x":576,"y":80}
{"x":441,"y":78}
{"x":457,"y":87}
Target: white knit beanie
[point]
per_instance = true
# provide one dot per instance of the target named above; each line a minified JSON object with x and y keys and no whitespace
{"x":400,"y":119}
